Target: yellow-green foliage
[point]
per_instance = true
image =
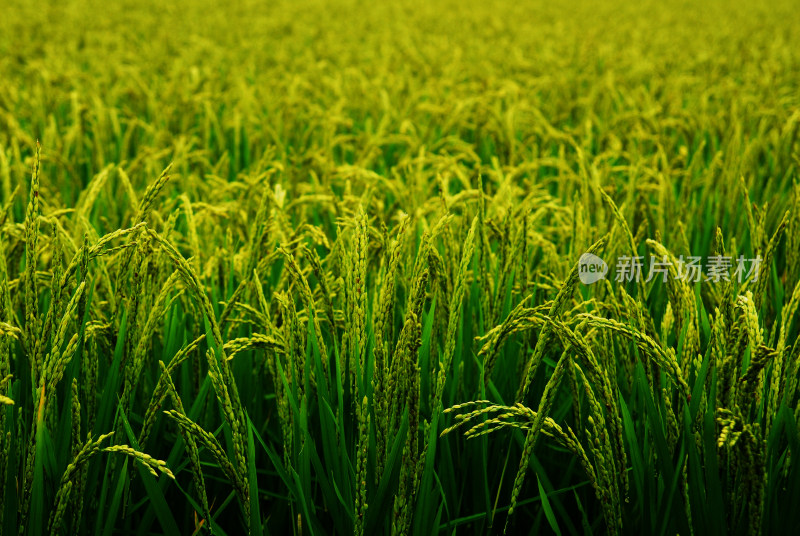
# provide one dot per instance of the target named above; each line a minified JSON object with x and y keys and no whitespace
{"x":280,"y":252}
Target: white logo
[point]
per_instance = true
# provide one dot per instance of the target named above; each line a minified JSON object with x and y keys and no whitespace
{"x":591,"y":268}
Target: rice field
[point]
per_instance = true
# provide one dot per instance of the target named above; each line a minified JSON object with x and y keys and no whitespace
{"x":414,"y":268}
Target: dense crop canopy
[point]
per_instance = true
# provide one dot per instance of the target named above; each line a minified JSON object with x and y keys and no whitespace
{"x":329,"y":267}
